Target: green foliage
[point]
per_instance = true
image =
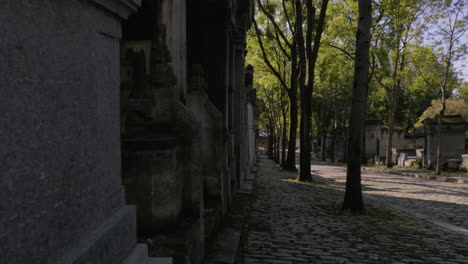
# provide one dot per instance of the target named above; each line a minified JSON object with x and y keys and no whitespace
{"x":453,"y":107}
{"x":408,"y":29}
{"x":416,"y":165}
{"x":464,"y":91}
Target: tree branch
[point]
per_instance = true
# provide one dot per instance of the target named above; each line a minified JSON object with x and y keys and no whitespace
{"x":351,"y":56}
{"x":272,"y":19}
{"x":265,"y":56}
{"x":286,"y":15}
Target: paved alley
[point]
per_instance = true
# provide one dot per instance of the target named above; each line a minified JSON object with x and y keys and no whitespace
{"x":441,"y":202}
{"x":292,"y":222}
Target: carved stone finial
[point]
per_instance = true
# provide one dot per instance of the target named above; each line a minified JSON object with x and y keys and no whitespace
{"x":162,"y":74}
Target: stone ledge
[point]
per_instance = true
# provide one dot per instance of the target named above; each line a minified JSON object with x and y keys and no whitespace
{"x":109,"y":243}
{"x":121,"y":8}
{"x":139,"y":255}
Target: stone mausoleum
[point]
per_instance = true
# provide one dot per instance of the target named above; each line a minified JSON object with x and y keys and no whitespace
{"x":125,"y":125}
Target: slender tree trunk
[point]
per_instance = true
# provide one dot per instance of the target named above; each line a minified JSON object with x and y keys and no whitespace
{"x":324,"y":145}
{"x":277,"y":145}
{"x":439,"y":143}
{"x":308,"y":54}
{"x":290,"y":164}
{"x":270,"y":141}
{"x":443,"y":101}
{"x":284,"y":140}
{"x":332,"y":153}
{"x":304,"y":161}
{"x":399,"y":65}
{"x":353,"y":196}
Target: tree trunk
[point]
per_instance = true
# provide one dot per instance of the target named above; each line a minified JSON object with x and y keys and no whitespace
{"x":332,"y":153}
{"x":363,"y":154}
{"x":353,"y":196}
{"x":388,"y":158}
{"x":394,"y":103}
{"x":443,"y":99}
{"x":290,"y":164}
{"x":304,"y":155}
{"x":307,"y":59}
{"x":346,"y":143}
{"x":364,"y":159}
{"x":439,"y":143}
{"x":324,"y":146}
{"x":270,"y":142}
{"x":283,"y":140}
{"x":277,"y":148}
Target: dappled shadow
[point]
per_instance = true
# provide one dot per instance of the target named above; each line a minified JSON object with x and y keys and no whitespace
{"x":378,"y":179}
{"x":445,"y":202}
{"x":301,"y":223}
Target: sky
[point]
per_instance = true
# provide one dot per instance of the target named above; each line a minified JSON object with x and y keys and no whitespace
{"x":461,"y":65}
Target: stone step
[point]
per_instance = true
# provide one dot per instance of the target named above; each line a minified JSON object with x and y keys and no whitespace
{"x":139,"y":255}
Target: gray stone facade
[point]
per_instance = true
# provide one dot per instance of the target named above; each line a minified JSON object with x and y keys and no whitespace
{"x":453,"y":142}
{"x":174,"y":144}
{"x":376,"y":140}
{"x":61,"y":195}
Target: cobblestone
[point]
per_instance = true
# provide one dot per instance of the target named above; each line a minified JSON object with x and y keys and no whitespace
{"x":441,"y":201}
{"x":292,"y":222}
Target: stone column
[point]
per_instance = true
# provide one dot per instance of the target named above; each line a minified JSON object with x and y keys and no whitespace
{"x":161,"y":138}
{"x":174,"y":17}
{"x":61,"y":196}
{"x":465,"y":161}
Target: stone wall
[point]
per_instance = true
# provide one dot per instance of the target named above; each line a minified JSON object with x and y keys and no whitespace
{"x":185,"y":140}
{"x":61,"y":198}
{"x":68,"y":138}
{"x":376,"y":141}
{"x":378,"y":135}
{"x":452,"y":142}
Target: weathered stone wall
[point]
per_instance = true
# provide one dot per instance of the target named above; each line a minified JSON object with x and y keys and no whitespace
{"x":452,"y":143}
{"x":61,"y":198}
{"x":374,"y":133}
{"x":174,"y":17}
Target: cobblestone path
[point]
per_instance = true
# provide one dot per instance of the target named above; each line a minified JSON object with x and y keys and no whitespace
{"x":293,"y":222}
{"x":439,"y":201}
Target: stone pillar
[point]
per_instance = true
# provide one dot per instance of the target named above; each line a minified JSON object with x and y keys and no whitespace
{"x":174,"y":17}
{"x":465,"y":161}
{"x":211,"y":120}
{"x":61,"y":196}
{"x":159,"y":129}
{"x":238,"y":122}
{"x":251,"y":124}
{"x":208,"y":44}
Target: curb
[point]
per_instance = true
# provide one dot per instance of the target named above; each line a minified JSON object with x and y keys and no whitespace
{"x":459,"y":179}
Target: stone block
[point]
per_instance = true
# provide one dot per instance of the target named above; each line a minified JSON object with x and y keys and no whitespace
{"x":107,"y":244}
{"x":139,"y":255}
{"x":60,"y":189}
{"x":153,"y":181}
{"x":465,"y":161}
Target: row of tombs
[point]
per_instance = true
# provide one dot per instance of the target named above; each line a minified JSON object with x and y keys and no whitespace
{"x":188,"y":120}
{"x":94,"y":174}
{"x":408,"y":149}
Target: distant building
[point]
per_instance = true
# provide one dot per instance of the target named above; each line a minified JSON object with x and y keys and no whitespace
{"x":376,"y":140}
{"x":454,"y":132}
